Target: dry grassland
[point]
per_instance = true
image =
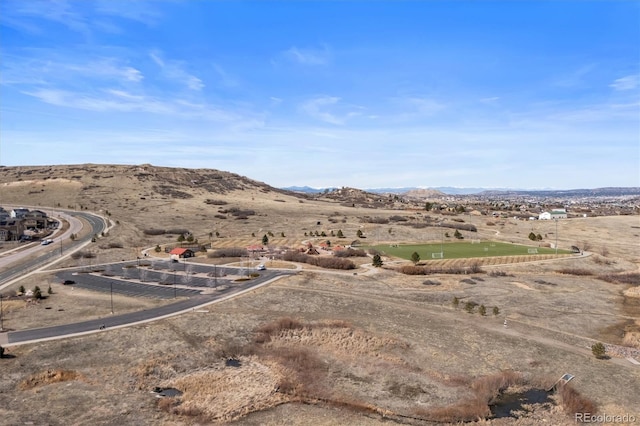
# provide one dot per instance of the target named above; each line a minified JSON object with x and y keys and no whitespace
{"x":331,"y":348}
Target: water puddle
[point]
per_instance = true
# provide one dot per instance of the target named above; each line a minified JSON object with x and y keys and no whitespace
{"x":508,"y":405}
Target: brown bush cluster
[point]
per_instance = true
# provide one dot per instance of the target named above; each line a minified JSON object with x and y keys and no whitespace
{"x":572,"y":402}
{"x":323,"y":262}
{"x":575,"y":271}
{"x":474,"y":268}
{"x":485,"y":390}
{"x":229,"y":252}
{"x":351,"y":253}
{"x":630,"y":278}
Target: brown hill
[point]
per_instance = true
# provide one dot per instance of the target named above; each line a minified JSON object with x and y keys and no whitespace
{"x":424,"y":194}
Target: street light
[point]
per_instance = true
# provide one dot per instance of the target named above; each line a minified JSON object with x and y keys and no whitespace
{"x":1,"y":315}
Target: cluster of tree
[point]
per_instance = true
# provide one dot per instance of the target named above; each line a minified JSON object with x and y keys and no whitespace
{"x":535,"y":237}
{"x":470,"y":306}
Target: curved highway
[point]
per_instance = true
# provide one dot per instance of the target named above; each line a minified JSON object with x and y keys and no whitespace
{"x":11,"y":266}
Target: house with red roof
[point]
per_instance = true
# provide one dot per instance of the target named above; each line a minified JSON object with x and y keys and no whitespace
{"x":181,"y":253}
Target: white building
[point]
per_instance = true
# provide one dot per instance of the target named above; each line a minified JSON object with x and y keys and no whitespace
{"x":554,"y":214}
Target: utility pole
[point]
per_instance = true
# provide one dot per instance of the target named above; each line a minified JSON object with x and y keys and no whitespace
{"x":1,"y":315}
{"x":556,"y":236}
{"x":111,"y":288}
{"x":174,"y":283}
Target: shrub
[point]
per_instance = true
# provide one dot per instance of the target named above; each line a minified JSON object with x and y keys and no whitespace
{"x":496,"y":310}
{"x":412,"y":270}
{"x":629,"y":278}
{"x":215,"y":202}
{"x":229,"y":252}
{"x":572,"y":402}
{"x":455,"y":302}
{"x":178,"y":231}
{"x":575,"y":271}
{"x":351,"y":253}
{"x":323,"y":262}
{"x":482,"y":310}
{"x":377,"y":261}
{"x":598,"y":350}
{"x":470,"y":306}
{"x":415,"y":257}
{"x":37,"y":293}
{"x":475,"y":268}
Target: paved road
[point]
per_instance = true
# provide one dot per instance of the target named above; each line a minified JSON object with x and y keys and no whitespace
{"x":50,"y":252}
{"x":62,"y":331}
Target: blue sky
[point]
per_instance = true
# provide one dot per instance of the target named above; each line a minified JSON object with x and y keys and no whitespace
{"x":541,"y":94}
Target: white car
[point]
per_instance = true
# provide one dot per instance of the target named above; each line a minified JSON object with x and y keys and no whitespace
{"x":261,"y":267}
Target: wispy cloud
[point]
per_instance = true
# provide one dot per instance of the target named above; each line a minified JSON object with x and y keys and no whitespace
{"x":116,"y":100}
{"x":139,"y":11}
{"x":629,"y":82}
{"x":47,"y":68}
{"x":309,"y":56}
{"x":79,"y":16}
{"x":226,"y":79}
{"x":174,"y":70}
{"x":576,"y":78}
{"x":330,"y":110}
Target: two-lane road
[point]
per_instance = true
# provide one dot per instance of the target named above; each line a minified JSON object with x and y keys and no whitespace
{"x":117,"y":321}
{"x":17,"y":264}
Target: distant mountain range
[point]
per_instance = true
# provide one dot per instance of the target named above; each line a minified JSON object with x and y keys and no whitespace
{"x":450,"y":190}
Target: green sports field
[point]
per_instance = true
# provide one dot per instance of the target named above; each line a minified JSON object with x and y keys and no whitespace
{"x":459,"y":250}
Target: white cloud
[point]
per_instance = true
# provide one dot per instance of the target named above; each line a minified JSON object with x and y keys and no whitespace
{"x":117,"y":100}
{"x":309,"y":56}
{"x":629,"y":82}
{"x":139,"y":11}
{"x":174,"y":70}
{"x":330,"y":110}
{"x":48,"y":68}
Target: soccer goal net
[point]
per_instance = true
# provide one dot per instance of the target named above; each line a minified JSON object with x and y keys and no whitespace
{"x":475,"y":241}
{"x":437,"y":255}
{"x":533,"y":251}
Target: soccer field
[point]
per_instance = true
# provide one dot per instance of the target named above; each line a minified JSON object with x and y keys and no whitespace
{"x":459,"y":250}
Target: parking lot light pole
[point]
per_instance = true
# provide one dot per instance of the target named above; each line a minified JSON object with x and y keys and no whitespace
{"x":174,"y":284}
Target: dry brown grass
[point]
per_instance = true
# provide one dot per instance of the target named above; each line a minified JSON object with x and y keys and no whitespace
{"x":485,"y":390}
{"x":47,"y":377}
{"x":573,"y":402}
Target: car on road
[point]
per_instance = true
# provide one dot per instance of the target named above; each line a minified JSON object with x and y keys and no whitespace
{"x":68,"y":282}
{"x":261,"y":267}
